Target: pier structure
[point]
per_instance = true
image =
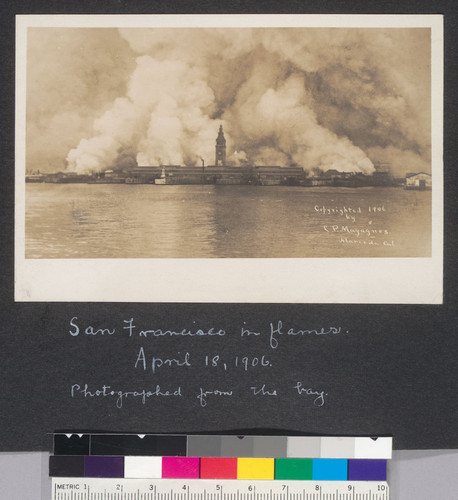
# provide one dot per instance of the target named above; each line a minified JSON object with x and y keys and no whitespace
{"x":248,"y":174}
{"x":176,"y":174}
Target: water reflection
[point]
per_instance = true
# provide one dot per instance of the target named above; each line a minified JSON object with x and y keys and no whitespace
{"x":146,"y":221}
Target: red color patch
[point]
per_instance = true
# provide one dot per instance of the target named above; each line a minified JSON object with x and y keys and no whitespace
{"x":218,"y":468}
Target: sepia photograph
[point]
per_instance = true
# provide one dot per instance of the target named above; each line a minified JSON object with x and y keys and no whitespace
{"x":241,"y":142}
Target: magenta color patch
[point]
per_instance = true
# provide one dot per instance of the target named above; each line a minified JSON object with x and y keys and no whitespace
{"x":180,"y":467}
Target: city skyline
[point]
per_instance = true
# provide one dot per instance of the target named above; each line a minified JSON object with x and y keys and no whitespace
{"x":321,"y":98}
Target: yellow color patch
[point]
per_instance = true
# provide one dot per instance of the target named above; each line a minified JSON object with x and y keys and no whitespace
{"x":255,"y":468}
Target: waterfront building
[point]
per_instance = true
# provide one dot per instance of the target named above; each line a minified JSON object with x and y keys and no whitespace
{"x":175,"y":174}
{"x":421,"y":181}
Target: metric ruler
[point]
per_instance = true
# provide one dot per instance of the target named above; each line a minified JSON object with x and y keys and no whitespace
{"x":203,"y":489}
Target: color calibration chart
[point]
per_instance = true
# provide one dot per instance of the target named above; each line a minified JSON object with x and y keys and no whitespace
{"x":211,"y":467}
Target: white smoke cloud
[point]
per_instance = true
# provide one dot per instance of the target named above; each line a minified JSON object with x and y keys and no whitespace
{"x":73,"y":76}
{"x":401,"y":160}
{"x":164,"y":117}
{"x":237,"y":158}
{"x":318,"y":98}
{"x":298,"y":137}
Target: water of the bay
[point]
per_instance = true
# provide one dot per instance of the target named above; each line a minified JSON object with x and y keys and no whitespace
{"x":206,"y":221}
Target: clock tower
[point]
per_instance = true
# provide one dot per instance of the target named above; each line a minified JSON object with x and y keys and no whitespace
{"x":220,"y":149}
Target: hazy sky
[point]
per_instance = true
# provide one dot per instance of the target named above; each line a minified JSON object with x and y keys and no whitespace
{"x":321,"y":98}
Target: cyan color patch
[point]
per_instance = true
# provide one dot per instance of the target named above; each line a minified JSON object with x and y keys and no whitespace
{"x":330,"y":469}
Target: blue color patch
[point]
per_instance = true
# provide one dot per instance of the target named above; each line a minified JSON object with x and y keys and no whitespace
{"x":330,"y":469}
{"x":366,"y":470}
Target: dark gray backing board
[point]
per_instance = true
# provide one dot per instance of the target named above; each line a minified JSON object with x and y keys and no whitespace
{"x":391,"y":370}
{"x":399,"y":383}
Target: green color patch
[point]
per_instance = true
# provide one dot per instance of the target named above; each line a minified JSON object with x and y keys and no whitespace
{"x":293,"y":468}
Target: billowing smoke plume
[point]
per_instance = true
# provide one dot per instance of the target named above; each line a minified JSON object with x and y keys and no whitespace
{"x":318,"y":98}
{"x":164,"y":116}
{"x":73,"y":75}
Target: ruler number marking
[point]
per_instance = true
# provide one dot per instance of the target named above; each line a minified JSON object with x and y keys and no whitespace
{"x":152,"y":489}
